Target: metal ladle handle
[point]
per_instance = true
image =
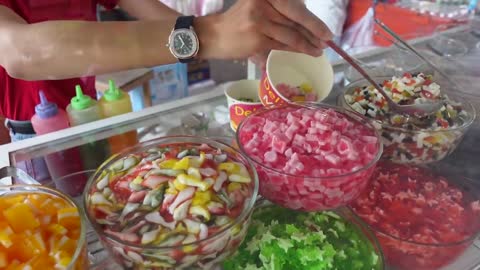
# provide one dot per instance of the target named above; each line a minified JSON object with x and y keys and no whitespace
{"x":17,"y":173}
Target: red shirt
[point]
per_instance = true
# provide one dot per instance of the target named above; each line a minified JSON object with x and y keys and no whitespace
{"x":18,"y":97}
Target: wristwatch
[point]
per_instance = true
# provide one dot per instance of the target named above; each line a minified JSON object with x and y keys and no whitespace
{"x":183,"y":41}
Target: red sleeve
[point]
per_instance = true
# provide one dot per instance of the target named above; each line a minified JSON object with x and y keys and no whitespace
{"x":6,"y":3}
{"x":108,"y":4}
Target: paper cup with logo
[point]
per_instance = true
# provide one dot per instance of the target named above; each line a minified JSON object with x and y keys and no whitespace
{"x":295,"y":69}
{"x":236,"y":94}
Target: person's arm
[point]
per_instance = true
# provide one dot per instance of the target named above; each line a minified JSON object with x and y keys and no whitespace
{"x":148,"y":9}
{"x":66,"y":49}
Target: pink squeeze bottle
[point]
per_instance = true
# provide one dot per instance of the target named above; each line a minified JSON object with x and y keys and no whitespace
{"x":49,"y":118}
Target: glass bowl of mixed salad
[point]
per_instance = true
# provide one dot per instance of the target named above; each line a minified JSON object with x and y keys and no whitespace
{"x":310,"y":157}
{"x":280,"y":238}
{"x":424,"y":219}
{"x":172,"y":203}
{"x":414,"y":140}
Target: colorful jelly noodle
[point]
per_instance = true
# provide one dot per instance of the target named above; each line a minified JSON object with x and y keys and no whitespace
{"x":170,"y":196}
{"x":81,"y":110}
{"x":115,"y":102}
{"x":40,"y":231}
{"x":49,"y":118}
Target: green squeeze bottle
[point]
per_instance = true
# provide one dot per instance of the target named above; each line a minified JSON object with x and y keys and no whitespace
{"x":81,"y":110}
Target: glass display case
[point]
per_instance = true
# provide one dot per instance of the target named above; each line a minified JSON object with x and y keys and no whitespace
{"x":207,"y":115}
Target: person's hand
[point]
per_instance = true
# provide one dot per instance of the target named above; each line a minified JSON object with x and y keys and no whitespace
{"x":253,"y":27}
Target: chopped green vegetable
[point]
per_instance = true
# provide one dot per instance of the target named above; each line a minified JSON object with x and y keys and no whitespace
{"x":282,"y":239}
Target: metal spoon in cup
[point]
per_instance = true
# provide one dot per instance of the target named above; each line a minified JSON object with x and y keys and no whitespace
{"x":421,"y":109}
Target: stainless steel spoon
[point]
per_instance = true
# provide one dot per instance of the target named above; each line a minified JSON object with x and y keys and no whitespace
{"x":422,"y":109}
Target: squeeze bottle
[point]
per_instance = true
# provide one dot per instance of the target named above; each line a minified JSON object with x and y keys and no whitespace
{"x":115,"y":102}
{"x":81,"y":110}
{"x":49,"y":118}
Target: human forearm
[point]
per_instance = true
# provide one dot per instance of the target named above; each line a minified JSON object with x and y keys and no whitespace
{"x":65,"y":49}
{"x":148,"y":9}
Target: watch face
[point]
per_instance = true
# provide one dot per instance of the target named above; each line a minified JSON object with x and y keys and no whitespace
{"x":184,"y":43}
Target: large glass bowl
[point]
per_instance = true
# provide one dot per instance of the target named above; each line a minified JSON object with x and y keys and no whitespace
{"x":348,"y":236}
{"x":79,"y":260}
{"x":406,"y":254}
{"x":203,"y":254}
{"x":417,"y":146}
{"x":311,"y":193}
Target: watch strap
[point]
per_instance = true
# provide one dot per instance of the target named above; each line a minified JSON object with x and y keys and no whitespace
{"x":184,"y":22}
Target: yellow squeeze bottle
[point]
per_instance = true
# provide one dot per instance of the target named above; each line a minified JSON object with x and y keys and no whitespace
{"x":116,"y":102}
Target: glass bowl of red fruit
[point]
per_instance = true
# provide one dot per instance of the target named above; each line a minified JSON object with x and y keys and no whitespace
{"x":310,"y":157}
{"x":424,"y":219}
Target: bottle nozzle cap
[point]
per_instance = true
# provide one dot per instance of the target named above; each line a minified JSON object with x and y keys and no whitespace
{"x":45,"y":109}
{"x":80,"y":101}
{"x":113,"y":93}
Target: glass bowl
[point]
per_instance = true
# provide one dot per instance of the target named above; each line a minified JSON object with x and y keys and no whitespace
{"x":424,"y":219}
{"x":79,"y":259}
{"x":170,"y":248}
{"x":416,"y":146}
{"x":317,"y":191}
{"x":345,"y":241}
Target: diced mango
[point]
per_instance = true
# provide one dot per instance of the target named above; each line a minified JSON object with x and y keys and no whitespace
{"x":3,"y":259}
{"x":21,"y":248}
{"x":68,"y":218}
{"x":183,"y":164}
{"x":14,"y":265}
{"x":42,"y":262}
{"x":21,"y":218}
{"x":57,"y":229}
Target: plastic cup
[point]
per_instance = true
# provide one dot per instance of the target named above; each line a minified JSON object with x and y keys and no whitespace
{"x":295,"y":69}
{"x":239,"y":108}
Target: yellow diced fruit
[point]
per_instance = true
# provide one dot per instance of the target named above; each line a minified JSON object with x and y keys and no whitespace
{"x":179,"y":186}
{"x":42,"y":262}
{"x":38,"y":243}
{"x":69,"y":218}
{"x":233,"y":186}
{"x":48,"y":207}
{"x":57,"y":229}
{"x":200,"y":211}
{"x":64,"y":261}
{"x":14,"y":266}
{"x":21,"y":218}
{"x":306,"y":88}
{"x":189,"y":248}
{"x":5,"y":234}
{"x":229,"y":167}
{"x":202,"y":197}
{"x":168,"y":164}
{"x":9,"y":201}
{"x":180,"y":228}
{"x":298,"y":99}
{"x":183,"y":164}
{"x":3,"y":259}
{"x":21,"y":249}
{"x":192,"y":181}
{"x":239,"y":178}
{"x":197,"y":162}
